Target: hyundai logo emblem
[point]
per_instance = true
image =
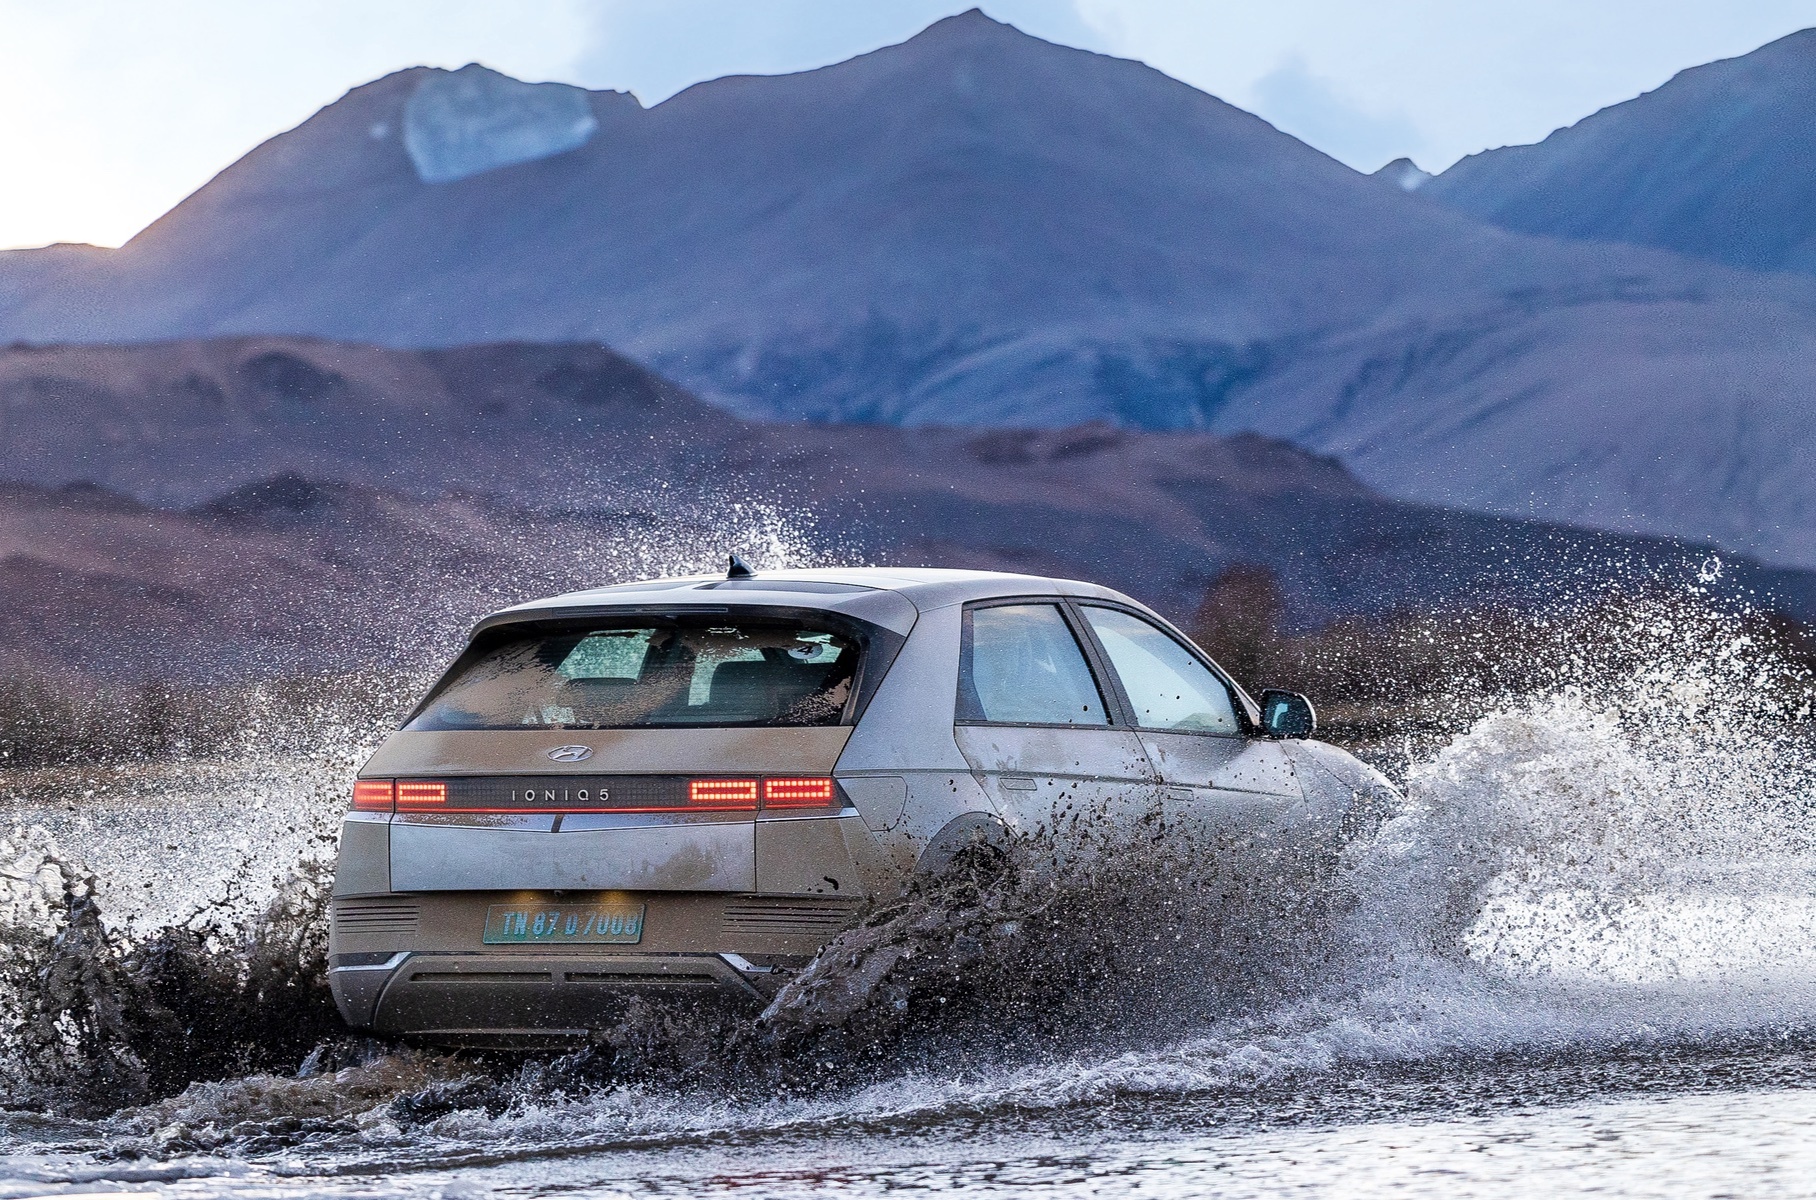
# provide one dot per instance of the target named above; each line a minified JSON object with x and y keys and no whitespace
{"x":571,"y":753}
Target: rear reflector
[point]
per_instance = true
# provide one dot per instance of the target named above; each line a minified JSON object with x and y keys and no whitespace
{"x":372,"y":795}
{"x":735,"y":794}
{"x":797,"y":793}
{"x":416,"y":796}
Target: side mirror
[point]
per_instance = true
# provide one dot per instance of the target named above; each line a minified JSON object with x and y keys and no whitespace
{"x":1287,"y":714}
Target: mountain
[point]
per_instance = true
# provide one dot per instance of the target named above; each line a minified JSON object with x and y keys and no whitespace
{"x":1404,"y":174}
{"x":278,"y":505}
{"x":1719,"y":162}
{"x":979,"y":228}
{"x":962,"y":228}
{"x":1694,"y":422}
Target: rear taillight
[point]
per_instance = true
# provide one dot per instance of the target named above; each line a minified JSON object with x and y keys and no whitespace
{"x":598,"y":795}
{"x":742,"y":795}
{"x":415,"y":796}
{"x":723,"y":795}
{"x":372,"y":795}
{"x":797,"y":793}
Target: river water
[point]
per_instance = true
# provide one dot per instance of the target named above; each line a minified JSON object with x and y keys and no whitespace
{"x":1581,"y":958}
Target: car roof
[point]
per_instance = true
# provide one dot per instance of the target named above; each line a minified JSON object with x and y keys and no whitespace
{"x":888,"y":596}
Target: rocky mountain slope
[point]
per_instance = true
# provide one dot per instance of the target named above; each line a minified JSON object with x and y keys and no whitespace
{"x":979,"y":228}
{"x":1716,"y":163}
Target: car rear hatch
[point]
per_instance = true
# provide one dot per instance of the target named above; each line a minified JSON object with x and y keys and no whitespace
{"x":629,"y":747}
{"x":597,"y":810}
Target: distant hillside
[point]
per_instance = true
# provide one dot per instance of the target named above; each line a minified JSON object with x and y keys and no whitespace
{"x":324,"y":505}
{"x":1720,"y":163}
{"x":978,"y":228}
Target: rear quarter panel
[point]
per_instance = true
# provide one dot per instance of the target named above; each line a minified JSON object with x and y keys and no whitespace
{"x":906,"y":739}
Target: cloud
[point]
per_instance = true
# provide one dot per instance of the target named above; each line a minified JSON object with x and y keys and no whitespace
{"x":1298,"y":102}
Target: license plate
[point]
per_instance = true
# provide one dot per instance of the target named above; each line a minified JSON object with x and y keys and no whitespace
{"x":570,"y":925}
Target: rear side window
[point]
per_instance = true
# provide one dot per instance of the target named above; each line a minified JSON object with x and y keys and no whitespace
{"x":1166,"y":684}
{"x":709,"y":670}
{"x":1019,"y":664}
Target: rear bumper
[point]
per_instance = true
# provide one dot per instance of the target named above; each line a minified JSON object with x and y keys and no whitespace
{"x":495,"y":999}
{"x":416,"y":964}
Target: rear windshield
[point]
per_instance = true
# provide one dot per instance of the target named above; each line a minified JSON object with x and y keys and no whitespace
{"x":647,"y":672}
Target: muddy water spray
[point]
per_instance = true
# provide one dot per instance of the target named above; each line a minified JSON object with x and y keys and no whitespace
{"x":1615,"y":858}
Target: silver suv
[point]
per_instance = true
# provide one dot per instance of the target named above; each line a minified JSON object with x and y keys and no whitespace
{"x":692,"y":785}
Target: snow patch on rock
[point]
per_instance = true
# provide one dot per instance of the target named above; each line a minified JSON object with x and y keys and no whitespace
{"x":466,"y":122}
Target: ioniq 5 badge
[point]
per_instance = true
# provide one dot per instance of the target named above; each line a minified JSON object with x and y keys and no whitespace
{"x":571,"y":753}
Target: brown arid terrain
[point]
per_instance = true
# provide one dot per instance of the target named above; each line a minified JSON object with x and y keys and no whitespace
{"x":199,"y":516}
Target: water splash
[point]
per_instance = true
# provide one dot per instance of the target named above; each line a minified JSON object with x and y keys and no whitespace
{"x":1622,"y":855}
{"x":1669,"y":768}
{"x":92,"y":1019}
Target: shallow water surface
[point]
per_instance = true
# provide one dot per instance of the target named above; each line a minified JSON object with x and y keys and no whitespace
{"x":1714,"y":1123}
{"x":1581,"y":959}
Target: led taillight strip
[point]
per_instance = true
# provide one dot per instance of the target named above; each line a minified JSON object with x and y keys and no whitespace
{"x":722,"y":793}
{"x":405,"y":795}
{"x":413,"y":796}
{"x":373,"y":795}
{"x":741,"y":794}
{"x":797,"y":793}
{"x":703,"y":795}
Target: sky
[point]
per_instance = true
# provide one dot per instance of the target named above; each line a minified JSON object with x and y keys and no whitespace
{"x":111,"y":111}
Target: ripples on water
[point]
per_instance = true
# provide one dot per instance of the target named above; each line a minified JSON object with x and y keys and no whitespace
{"x":1579,"y":955}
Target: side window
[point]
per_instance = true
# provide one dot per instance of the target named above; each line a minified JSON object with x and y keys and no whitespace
{"x":1020,"y":664}
{"x":1167,"y":685}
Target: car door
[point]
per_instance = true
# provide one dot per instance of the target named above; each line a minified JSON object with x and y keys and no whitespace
{"x":1036,"y":724}
{"x":1218,"y":781}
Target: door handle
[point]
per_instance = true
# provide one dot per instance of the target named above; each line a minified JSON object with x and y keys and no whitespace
{"x":1019,"y":783}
